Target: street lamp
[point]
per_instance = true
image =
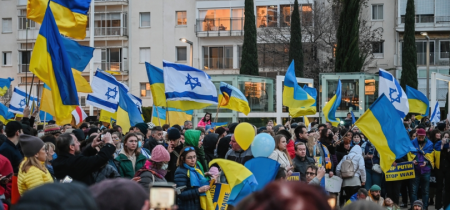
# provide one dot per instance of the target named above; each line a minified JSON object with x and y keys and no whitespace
{"x":191,"y":50}
{"x":425,"y":34}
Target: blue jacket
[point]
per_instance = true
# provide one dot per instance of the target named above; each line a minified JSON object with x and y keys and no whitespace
{"x":189,"y":199}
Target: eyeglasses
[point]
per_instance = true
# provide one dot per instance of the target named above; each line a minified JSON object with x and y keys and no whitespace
{"x":191,"y":157}
{"x":310,"y":174}
{"x":188,"y":148}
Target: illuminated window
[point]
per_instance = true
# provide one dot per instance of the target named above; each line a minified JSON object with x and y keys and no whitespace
{"x":145,"y":90}
{"x":181,"y":18}
{"x":266,"y":16}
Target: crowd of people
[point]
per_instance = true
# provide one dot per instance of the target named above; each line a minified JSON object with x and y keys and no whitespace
{"x":109,"y":168}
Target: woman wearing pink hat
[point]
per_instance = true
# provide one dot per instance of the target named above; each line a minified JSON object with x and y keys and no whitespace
{"x":152,"y":171}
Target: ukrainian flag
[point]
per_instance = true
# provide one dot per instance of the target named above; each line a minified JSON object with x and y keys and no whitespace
{"x":378,"y":122}
{"x":70,"y":15}
{"x":418,"y":102}
{"x":329,"y":110}
{"x":5,"y":115}
{"x":178,"y":116}
{"x":241,"y":180}
{"x":128,"y":113}
{"x":107,"y":117}
{"x":50,"y":63}
{"x":44,"y":116}
{"x":232,"y":98}
{"x":4,"y":85}
{"x":156,"y":79}
{"x":161,"y":112}
{"x":302,"y":111}
{"x":293,"y":95}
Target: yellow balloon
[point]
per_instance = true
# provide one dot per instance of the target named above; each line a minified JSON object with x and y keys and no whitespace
{"x":244,"y":135}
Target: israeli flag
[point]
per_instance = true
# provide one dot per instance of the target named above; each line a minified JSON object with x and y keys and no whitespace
{"x":185,"y":83}
{"x":19,"y":101}
{"x":105,"y":92}
{"x":390,"y":87}
{"x":436,"y":116}
{"x":136,"y":101}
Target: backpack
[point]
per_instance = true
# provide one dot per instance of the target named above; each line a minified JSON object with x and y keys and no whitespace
{"x":348,"y":169}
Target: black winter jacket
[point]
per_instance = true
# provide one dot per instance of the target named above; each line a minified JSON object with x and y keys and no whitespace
{"x":189,"y":199}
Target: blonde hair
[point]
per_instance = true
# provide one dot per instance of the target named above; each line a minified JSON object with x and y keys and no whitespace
{"x":277,"y":142}
{"x":32,"y":161}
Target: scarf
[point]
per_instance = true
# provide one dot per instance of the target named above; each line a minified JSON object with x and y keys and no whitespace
{"x":326,"y":155}
{"x":198,"y":180}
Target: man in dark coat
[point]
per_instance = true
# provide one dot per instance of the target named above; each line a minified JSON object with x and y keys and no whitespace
{"x":174,"y":148}
{"x":81,"y":167}
{"x":301,"y":161}
{"x":224,"y":143}
{"x":155,"y":139}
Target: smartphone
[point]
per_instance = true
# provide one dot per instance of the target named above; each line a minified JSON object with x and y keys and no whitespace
{"x":67,"y":179}
{"x":7,"y":176}
{"x":162,"y":195}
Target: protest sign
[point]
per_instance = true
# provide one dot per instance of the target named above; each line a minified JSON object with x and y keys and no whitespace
{"x":294,"y":177}
{"x":221,"y":194}
{"x":400,"y":172}
{"x":333,"y":184}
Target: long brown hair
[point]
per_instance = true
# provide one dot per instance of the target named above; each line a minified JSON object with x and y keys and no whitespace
{"x":277,"y":142}
{"x":183,"y":154}
{"x":137,"y":151}
{"x":32,"y":161}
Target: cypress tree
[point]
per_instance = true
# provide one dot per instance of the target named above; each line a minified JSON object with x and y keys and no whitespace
{"x":249,"y":62}
{"x":348,"y":57}
{"x":295,"y":45}
{"x":409,"y":54}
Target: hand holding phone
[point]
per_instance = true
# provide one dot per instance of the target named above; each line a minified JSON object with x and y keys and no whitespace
{"x":162,"y":196}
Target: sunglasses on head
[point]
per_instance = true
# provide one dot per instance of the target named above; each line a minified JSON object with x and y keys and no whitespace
{"x":189,"y":148}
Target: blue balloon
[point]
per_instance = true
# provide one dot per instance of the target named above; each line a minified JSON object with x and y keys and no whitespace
{"x":263,"y":145}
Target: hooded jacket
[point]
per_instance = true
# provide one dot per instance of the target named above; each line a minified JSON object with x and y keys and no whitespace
{"x":126,"y":168}
{"x":191,"y":138}
{"x":209,"y":144}
{"x":358,"y":163}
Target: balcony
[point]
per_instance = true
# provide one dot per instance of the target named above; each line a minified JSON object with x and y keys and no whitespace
{"x":427,"y":21}
{"x":421,"y":59}
{"x":108,"y":32}
{"x":110,"y":2}
{"x":219,"y":27}
{"x":218,"y":63}
{"x":24,"y":68}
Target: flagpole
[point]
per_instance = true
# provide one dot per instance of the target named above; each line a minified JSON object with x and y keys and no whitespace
{"x":91,"y":44}
{"x":26,"y":53}
{"x":157,"y":114}
{"x":217,"y":112}
{"x":31,"y":88}
{"x":167,"y":113}
{"x":45,"y":117}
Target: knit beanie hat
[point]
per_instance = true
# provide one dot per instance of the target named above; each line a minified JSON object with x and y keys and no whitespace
{"x":173,"y":134}
{"x":26,"y":129}
{"x":418,"y":203}
{"x":132,"y":195}
{"x":143,"y":127}
{"x":375,"y":188}
{"x":30,"y":144}
{"x":52,"y":129}
{"x":92,"y":130}
{"x":160,"y":154}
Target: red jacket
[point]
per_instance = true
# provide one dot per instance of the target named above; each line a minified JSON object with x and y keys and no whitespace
{"x":5,"y":169}
{"x":291,"y":148}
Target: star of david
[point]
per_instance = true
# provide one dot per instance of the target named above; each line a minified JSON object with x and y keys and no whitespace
{"x":392,"y":98}
{"x":192,"y":84}
{"x":22,"y":103}
{"x":111,"y":93}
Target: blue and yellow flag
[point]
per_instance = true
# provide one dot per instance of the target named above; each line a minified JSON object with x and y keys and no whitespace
{"x":302,"y":111}
{"x":50,"y":63}
{"x":232,"y":98}
{"x":5,"y":115}
{"x":329,"y":110}
{"x":293,"y":95}
{"x":176,"y":116}
{"x":418,"y":102}
{"x":70,"y":15}
{"x":107,"y":117}
{"x":4,"y":85}
{"x":44,"y":116}
{"x":241,"y":180}
{"x":159,"y":116}
{"x":128,"y":113}
{"x":47,"y":100}
{"x":377,"y":123}
{"x":156,"y":80}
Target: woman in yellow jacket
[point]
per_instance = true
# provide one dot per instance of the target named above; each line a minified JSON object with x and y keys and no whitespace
{"x":32,"y":171}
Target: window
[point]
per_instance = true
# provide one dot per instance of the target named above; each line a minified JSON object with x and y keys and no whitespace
{"x":6,"y":61}
{"x":6,"y":25}
{"x":444,"y":49}
{"x":267,"y":16}
{"x":145,"y":19}
{"x":181,"y":53}
{"x":215,"y":19}
{"x":145,"y":90}
{"x":110,"y":24}
{"x":111,"y":59}
{"x":83,"y":101}
{"x":24,"y":61}
{"x":23,"y":20}
{"x":218,"y":57}
{"x":305,"y":14}
{"x":377,"y":12}
{"x":181,"y":18}
{"x":144,"y":54}
{"x":377,"y":47}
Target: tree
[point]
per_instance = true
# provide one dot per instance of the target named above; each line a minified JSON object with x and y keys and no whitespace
{"x":249,"y":62}
{"x":409,"y":54}
{"x":295,"y":45}
{"x":348,"y":56}
{"x":147,"y":113}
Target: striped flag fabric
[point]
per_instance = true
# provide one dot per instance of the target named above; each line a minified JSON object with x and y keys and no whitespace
{"x":79,"y":115}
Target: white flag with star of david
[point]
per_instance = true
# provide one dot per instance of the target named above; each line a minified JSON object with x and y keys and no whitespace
{"x":105,"y":92}
{"x":18,"y":101}
{"x":390,"y":87}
